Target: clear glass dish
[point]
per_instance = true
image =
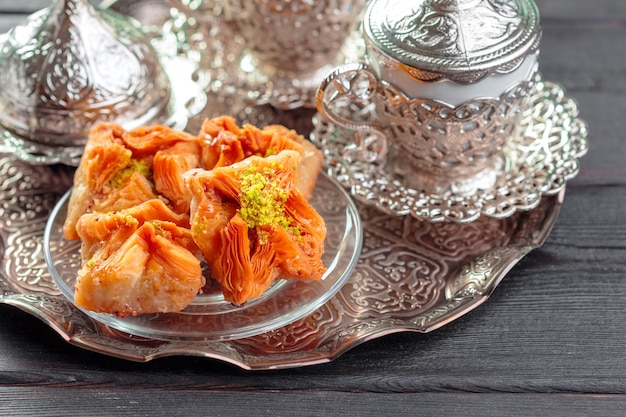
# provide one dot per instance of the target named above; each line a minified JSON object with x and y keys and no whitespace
{"x":209,"y":316}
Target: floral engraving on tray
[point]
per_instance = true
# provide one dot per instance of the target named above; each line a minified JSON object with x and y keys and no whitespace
{"x":55,"y":308}
{"x":476,"y":278}
{"x":26,"y":250}
{"x":394,"y":281}
{"x":27,"y":194}
{"x":302,"y":334}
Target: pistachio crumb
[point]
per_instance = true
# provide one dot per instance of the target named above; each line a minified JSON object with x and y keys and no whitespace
{"x":120,"y":178}
{"x":262,"y":201}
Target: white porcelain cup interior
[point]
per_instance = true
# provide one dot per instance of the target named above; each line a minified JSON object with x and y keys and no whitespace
{"x":450,"y":92}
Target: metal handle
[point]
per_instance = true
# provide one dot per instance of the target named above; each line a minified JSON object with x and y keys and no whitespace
{"x":349,"y":87}
{"x":343,"y":87}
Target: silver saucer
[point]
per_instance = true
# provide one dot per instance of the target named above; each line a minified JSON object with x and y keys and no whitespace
{"x":539,"y":163}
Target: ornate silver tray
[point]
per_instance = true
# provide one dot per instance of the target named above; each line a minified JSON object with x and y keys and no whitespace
{"x":411,"y":276}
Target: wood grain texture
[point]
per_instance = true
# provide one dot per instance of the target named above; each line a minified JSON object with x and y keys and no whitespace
{"x":550,"y":341}
{"x":57,"y":402}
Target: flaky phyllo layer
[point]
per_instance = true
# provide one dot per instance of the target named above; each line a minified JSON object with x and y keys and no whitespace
{"x":149,"y":205}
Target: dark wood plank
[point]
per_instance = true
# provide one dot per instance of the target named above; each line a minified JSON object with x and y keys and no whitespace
{"x":8,"y":21}
{"x":51,"y":402}
{"x":22,"y":6}
{"x":581,"y":9}
{"x":587,"y":59}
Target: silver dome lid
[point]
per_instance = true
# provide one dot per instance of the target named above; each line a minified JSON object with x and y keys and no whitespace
{"x":72,"y":65}
{"x":461,"y":40}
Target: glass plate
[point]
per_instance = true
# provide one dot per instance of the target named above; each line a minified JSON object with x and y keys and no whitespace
{"x":209,"y":316}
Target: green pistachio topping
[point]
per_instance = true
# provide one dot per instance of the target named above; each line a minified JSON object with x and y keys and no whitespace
{"x":120,"y":178}
{"x":263,"y":201}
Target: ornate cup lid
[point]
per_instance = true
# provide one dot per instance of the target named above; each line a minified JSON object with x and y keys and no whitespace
{"x":72,"y":65}
{"x":461,"y":40}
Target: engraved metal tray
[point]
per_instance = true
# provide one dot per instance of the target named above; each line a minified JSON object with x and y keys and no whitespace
{"x":411,"y":276}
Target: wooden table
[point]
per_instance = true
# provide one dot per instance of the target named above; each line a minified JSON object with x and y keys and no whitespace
{"x":550,"y":341}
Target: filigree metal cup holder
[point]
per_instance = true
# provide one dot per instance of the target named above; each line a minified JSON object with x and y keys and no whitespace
{"x":446,"y":84}
{"x":538,"y":161}
{"x":434,"y":145}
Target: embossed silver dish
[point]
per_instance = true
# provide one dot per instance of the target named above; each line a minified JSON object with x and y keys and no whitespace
{"x":411,"y":276}
{"x":72,"y":65}
{"x":537,"y":162}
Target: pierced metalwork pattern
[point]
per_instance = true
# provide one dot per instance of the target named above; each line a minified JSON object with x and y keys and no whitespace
{"x":538,"y":161}
{"x":452,"y":142}
{"x":461,"y":40}
{"x":438,"y":143}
